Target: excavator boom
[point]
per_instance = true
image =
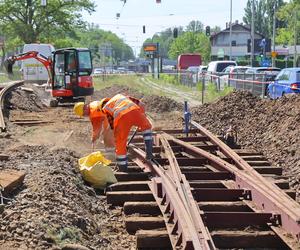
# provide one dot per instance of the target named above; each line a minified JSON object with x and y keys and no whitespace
{"x":9,"y":62}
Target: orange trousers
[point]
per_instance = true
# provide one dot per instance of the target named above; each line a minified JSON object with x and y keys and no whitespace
{"x":121,"y":131}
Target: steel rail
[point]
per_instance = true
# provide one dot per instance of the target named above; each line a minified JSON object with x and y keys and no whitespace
{"x":3,"y":93}
{"x":267,"y":196}
{"x":180,"y":225}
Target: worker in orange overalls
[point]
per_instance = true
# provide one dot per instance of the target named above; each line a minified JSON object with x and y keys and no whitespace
{"x":98,"y":119}
{"x":123,"y":113}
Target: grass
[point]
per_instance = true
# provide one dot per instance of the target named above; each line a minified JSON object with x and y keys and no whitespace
{"x":63,"y":235}
{"x":212,"y":93}
{"x":4,"y":77}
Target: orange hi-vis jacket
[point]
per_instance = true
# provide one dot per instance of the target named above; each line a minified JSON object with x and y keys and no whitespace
{"x":119,"y":105}
{"x":98,"y":119}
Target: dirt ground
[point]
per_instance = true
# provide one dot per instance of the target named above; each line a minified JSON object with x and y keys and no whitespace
{"x":55,"y":207}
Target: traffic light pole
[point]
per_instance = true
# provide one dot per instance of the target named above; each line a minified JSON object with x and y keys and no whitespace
{"x":273,"y":39}
{"x":252,"y":35}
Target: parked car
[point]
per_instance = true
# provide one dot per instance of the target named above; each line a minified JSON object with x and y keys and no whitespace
{"x":262,"y":73}
{"x":192,"y":73}
{"x":98,"y":72}
{"x":216,"y":67}
{"x":286,"y":82}
{"x":232,"y":72}
{"x":201,"y":71}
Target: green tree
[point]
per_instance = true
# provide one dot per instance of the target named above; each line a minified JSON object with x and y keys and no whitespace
{"x":191,"y":42}
{"x":264,"y":12}
{"x":195,"y":26}
{"x":30,"y":21}
{"x":289,"y":13}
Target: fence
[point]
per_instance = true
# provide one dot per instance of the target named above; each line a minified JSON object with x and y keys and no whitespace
{"x":257,"y":84}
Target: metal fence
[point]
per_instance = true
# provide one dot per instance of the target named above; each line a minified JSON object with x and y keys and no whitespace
{"x":257,"y":84}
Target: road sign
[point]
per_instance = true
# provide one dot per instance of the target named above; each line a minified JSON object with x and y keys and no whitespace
{"x":273,"y":54}
{"x":265,"y":62}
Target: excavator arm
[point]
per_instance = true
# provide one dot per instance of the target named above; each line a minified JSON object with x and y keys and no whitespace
{"x":9,"y":62}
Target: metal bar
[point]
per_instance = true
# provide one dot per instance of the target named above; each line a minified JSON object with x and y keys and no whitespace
{"x":266,"y":195}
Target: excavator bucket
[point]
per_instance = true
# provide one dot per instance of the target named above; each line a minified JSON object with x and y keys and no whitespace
{"x":8,"y":64}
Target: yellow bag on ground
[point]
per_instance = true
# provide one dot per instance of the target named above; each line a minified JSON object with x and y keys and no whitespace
{"x":95,"y":170}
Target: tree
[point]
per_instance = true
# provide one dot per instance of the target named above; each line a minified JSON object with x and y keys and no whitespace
{"x":289,"y":13}
{"x":195,"y":26}
{"x":191,"y":42}
{"x":30,"y":21}
{"x":264,"y":12}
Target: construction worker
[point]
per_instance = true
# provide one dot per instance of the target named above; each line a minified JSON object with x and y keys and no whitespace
{"x":123,"y":113}
{"x":98,"y":119}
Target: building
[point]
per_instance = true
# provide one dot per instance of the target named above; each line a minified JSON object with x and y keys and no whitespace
{"x":220,"y":48}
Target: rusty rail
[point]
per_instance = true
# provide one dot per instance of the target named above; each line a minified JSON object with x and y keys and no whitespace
{"x":209,"y":196}
{"x":3,"y":93}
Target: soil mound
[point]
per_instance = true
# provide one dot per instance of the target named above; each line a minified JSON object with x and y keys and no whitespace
{"x":54,"y":206}
{"x":25,"y":98}
{"x":269,"y":126}
{"x":153,"y":103}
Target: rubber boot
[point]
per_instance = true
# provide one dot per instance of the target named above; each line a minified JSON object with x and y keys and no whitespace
{"x":149,"y":149}
{"x":122,"y":163}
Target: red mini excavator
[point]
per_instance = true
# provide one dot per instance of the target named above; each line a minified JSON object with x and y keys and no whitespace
{"x":69,"y":73}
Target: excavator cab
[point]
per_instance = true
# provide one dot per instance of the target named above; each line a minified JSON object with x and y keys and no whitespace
{"x":69,"y":72}
{"x":71,"y":75}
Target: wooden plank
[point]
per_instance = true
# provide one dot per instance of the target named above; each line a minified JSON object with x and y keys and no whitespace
{"x":129,"y":186}
{"x":134,"y":223}
{"x":150,"y":208}
{"x":120,"y":197}
{"x":244,"y":239}
{"x":150,"y":239}
{"x":121,"y":176}
{"x":10,"y":180}
{"x":4,"y":157}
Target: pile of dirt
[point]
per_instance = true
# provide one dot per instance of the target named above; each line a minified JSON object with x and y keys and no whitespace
{"x":269,"y":126}
{"x":55,"y":207}
{"x":161,"y":104}
{"x":24,"y":98}
{"x":153,"y":103}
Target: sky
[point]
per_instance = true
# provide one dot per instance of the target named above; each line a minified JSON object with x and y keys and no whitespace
{"x":158,"y":17}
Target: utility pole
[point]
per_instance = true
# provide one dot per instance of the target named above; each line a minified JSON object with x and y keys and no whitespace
{"x":274,"y":31}
{"x":230,"y":32}
{"x":295,"y":38}
{"x":252,"y":35}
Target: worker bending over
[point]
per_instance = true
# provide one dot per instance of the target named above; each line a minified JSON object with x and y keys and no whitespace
{"x":98,"y":119}
{"x":123,"y":113}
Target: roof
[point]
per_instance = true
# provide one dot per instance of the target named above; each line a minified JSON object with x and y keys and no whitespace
{"x":234,"y":25}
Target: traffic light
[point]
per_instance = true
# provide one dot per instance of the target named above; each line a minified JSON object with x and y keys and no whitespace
{"x":175,"y":33}
{"x":207,"y":31}
{"x":144,"y":29}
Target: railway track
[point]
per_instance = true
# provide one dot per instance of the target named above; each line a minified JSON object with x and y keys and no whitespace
{"x":9,"y":87}
{"x":200,"y":194}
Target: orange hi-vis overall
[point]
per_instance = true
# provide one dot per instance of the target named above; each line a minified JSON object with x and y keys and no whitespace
{"x":126,"y":114}
{"x":98,"y":119}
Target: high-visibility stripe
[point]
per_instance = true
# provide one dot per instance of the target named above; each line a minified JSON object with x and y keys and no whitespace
{"x":119,"y":101}
{"x":116,"y":113}
{"x":108,"y":109}
{"x":148,"y":138}
{"x":122,"y":163}
{"x":121,"y":157}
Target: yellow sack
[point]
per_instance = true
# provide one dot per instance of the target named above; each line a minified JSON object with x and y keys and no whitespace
{"x":95,"y":170}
